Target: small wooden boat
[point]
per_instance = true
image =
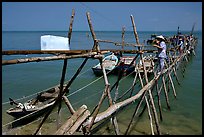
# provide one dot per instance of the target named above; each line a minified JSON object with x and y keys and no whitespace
{"x":30,"y":110}
{"x":125,"y":65}
{"x":109,"y":63}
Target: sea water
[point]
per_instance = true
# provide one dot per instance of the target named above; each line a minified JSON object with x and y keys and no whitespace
{"x":22,"y":81}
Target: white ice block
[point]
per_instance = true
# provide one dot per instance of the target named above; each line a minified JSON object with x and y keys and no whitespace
{"x":50,"y":42}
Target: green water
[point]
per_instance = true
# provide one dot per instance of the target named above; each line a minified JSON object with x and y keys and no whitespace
{"x":22,"y":80}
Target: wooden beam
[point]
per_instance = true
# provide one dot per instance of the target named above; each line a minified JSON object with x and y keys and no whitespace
{"x":50,"y":58}
{"x":70,"y":122}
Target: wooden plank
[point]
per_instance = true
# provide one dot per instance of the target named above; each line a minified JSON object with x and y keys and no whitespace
{"x":69,"y":123}
{"x":78,"y":123}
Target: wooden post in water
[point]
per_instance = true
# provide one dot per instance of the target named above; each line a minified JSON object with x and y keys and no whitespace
{"x":69,"y":105}
{"x":64,"y":71}
{"x":123,"y":37}
{"x":96,"y":46}
{"x":158,"y":97}
{"x":138,"y":105}
{"x":107,"y":85}
{"x":165,"y":91}
{"x":145,"y":73}
{"x":64,"y":91}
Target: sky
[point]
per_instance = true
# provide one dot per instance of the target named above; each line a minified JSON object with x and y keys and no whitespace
{"x":105,"y":16}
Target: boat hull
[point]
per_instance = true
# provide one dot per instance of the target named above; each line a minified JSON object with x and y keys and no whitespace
{"x":24,"y":117}
{"x":109,"y":63}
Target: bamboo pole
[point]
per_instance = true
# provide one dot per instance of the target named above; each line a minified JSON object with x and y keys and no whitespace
{"x":69,"y":105}
{"x":64,"y":72}
{"x":133,"y":84}
{"x":135,"y":31}
{"x":112,"y":109}
{"x":165,"y":91}
{"x":150,"y":116}
{"x":96,"y":46}
{"x":172,"y":85}
{"x":175,"y":74}
{"x":137,"y":107}
{"x":171,"y":81}
{"x":96,"y":111}
{"x":145,"y":73}
{"x":120,"y":44}
{"x":107,"y":88}
{"x":38,"y":59}
{"x":159,"y":100}
{"x":114,"y":119}
{"x":75,"y":52}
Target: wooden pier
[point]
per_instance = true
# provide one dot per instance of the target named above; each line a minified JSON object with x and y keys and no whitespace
{"x":82,"y":120}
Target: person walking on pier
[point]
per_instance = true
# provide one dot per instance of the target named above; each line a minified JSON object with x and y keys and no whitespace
{"x":161,"y":45}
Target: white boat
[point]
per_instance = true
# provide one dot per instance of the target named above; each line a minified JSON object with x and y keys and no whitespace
{"x":109,"y":62}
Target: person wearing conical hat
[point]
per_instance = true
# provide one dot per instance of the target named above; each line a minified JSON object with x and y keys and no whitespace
{"x":161,"y":45}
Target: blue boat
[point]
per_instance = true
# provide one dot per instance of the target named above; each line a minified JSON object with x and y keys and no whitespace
{"x":109,"y":62}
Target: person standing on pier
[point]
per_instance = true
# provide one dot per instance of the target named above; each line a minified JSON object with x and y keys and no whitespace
{"x":161,"y":45}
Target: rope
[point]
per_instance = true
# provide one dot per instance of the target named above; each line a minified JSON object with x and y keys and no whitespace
{"x":96,"y":12}
{"x":50,"y":114}
{"x":41,"y":90}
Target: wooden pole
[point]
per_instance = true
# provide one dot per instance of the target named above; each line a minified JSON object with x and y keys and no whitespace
{"x":95,"y":47}
{"x":112,"y":109}
{"x":150,"y":116}
{"x":114,"y":119}
{"x":69,"y":105}
{"x":133,"y":84}
{"x":166,"y":95}
{"x":159,"y":100}
{"x":134,"y":28}
{"x":172,"y":85}
{"x":123,"y":37}
{"x":137,"y":107}
{"x":145,"y":73}
{"x":107,"y":88}
{"x":64,"y":91}
{"x":38,"y":59}
{"x":64,"y":71}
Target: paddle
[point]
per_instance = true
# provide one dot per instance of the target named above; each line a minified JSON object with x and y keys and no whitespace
{"x":12,"y":102}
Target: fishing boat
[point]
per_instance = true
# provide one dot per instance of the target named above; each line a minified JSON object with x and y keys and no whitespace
{"x":125,"y":65}
{"x":109,"y":62}
{"x":31,"y":109}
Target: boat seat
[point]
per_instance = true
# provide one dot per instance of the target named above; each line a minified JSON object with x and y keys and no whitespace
{"x":48,"y":95}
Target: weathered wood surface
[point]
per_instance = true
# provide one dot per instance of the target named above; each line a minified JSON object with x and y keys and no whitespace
{"x":71,"y":121}
{"x":112,"y":109}
{"x":69,"y":105}
{"x":78,"y":123}
{"x":38,"y":59}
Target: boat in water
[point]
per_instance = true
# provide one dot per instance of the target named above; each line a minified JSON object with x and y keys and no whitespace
{"x":125,"y":65}
{"x":109,"y":62}
{"x":34,"y":108}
